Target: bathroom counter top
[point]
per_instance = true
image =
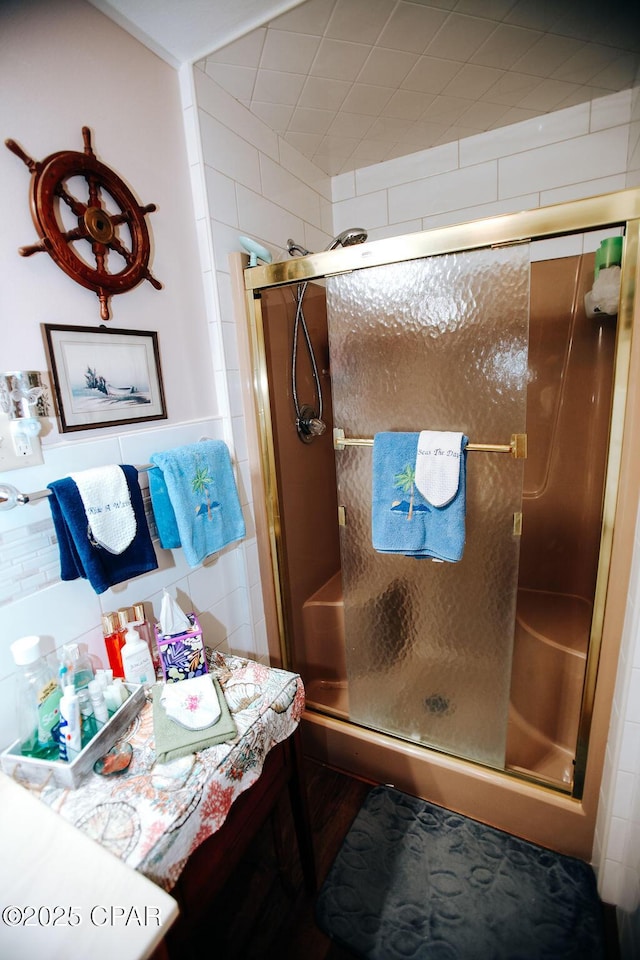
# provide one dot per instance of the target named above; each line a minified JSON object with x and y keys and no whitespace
{"x":63,"y":895}
{"x":155,"y":816}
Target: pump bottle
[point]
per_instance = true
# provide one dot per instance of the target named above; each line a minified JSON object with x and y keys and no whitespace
{"x":147,"y":633}
{"x":136,"y":659}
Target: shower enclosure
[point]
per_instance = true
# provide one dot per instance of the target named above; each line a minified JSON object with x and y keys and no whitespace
{"x":474,"y":684}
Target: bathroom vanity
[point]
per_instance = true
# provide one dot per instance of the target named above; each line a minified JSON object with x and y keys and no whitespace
{"x":184,"y":825}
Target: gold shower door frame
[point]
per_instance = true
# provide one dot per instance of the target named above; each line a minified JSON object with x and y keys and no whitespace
{"x":621,"y":209}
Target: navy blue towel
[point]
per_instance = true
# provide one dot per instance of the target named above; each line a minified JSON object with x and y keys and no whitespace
{"x":80,"y":557}
{"x":402,"y":520}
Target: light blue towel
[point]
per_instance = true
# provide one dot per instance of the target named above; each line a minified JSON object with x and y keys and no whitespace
{"x":199,"y":488}
{"x":163,"y":513}
{"x":402,"y":520}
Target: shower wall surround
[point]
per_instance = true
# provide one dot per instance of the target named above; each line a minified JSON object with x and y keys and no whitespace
{"x":250,"y":182}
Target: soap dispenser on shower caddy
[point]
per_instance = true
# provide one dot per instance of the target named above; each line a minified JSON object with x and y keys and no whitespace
{"x":602,"y":299}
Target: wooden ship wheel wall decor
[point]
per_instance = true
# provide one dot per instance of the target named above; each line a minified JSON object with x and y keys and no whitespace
{"x":107,"y":217}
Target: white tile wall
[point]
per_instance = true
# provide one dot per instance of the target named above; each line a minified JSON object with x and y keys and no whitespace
{"x":40,"y":603}
{"x":617,"y":847}
{"x":580,"y":159}
{"x":251,"y":184}
{"x":578,"y":152}
{"x":30,"y":557}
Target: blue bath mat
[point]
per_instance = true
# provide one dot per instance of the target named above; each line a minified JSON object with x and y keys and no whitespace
{"x":413,"y":881}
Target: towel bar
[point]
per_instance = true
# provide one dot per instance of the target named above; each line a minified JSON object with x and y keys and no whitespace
{"x":10,"y":497}
{"x":517,"y":448}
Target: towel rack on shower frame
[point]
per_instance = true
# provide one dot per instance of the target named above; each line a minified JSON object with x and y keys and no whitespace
{"x":517,"y":448}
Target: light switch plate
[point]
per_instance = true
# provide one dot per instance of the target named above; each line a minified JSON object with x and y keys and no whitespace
{"x":17,"y":452}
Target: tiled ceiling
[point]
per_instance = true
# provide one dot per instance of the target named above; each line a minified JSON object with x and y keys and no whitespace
{"x":354,"y":82}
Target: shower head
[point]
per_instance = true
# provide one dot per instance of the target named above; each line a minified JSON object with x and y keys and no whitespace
{"x":348,"y":237}
{"x":345,"y":239}
{"x":295,"y":250}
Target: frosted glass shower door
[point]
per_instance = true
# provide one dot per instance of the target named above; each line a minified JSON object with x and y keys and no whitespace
{"x":433,"y":344}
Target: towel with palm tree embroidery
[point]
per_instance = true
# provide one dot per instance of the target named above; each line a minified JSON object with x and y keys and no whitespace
{"x":402,"y":520}
{"x":195,"y":499}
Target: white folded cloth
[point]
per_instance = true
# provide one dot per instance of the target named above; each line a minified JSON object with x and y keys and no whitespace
{"x":107,"y":503}
{"x":193,"y":703}
{"x":437,"y":473}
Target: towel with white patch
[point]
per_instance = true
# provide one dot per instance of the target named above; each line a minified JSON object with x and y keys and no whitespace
{"x":107,"y":503}
{"x":437,"y":473}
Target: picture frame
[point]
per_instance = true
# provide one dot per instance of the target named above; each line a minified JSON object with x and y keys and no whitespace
{"x":104,"y":377}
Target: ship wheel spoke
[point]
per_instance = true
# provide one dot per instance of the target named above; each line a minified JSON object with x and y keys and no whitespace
{"x":116,"y":245}
{"x":77,"y":233}
{"x":94,"y":192}
{"x":152,"y":280}
{"x":119,"y":218}
{"x":76,"y":206}
{"x":100,"y":253}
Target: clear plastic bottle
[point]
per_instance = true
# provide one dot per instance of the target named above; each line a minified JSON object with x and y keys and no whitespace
{"x":98,"y":702}
{"x":87,"y":716}
{"x":78,"y":664}
{"x":38,"y":700}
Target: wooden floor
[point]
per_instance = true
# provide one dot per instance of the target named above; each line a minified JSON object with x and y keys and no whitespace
{"x":264,"y":912}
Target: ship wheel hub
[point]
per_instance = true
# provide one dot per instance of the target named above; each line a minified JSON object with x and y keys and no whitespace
{"x":98,"y":224}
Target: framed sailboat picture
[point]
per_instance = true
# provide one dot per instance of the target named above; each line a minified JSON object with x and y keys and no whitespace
{"x":104,"y":377}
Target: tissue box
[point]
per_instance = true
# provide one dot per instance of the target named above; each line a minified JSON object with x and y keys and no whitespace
{"x":182,"y":655}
